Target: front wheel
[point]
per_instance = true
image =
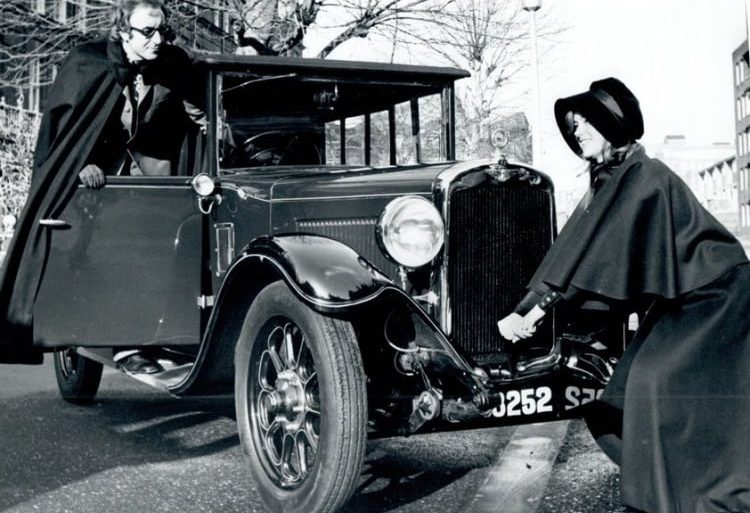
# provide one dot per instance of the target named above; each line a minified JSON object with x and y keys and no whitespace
{"x":301,"y":404}
{"x":78,"y":377}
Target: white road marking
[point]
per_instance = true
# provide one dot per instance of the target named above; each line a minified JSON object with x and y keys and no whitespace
{"x":516,"y":483}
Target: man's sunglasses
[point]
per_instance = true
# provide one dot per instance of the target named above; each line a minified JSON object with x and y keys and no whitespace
{"x":148,"y":32}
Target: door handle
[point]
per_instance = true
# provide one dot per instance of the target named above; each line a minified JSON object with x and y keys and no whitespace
{"x":53,"y":223}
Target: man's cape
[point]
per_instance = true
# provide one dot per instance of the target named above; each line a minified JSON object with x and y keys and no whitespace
{"x":643,"y":234}
{"x":84,"y":95}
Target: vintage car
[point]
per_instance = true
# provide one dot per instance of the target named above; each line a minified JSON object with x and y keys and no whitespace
{"x":325,"y":259}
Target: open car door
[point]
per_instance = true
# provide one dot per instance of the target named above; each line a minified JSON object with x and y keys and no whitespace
{"x":125,"y":267}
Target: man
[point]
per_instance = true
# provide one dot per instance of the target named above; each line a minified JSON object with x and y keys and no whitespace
{"x":118,"y":106}
{"x":144,"y":136}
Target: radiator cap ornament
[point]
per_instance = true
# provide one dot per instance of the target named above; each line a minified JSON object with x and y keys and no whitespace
{"x":503,"y":172}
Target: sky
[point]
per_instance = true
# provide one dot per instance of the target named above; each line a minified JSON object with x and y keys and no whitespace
{"x":675,"y":55}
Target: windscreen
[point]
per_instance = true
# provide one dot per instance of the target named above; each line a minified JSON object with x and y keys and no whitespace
{"x":288,"y":120}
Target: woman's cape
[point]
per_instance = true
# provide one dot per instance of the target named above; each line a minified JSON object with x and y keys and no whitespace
{"x":643,"y":234}
{"x":84,"y":95}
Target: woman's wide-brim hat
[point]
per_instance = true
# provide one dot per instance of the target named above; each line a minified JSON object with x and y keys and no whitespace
{"x":609,"y":106}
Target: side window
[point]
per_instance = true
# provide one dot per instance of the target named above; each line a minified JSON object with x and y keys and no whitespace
{"x":333,"y":142}
{"x":355,"y":140}
{"x":380,"y":137}
{"x":431,"y":129}
{"x":405,"y":141}
{"x":189,"y":153}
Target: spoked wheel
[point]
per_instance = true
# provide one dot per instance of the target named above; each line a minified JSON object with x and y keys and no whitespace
{"x":301,"y":404}
{"x":78,"y":377}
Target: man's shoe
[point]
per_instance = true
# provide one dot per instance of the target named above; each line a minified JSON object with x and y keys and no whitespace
{"x":137,"y":363}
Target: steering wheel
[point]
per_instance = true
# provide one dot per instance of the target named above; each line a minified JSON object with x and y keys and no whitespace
{"x":280,"y":151}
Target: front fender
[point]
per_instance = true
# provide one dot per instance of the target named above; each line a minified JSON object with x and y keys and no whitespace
{"x":325,"y":273}
{"x":334,"y":279}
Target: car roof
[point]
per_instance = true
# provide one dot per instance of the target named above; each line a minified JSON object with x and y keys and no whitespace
{"x":332,"y":68}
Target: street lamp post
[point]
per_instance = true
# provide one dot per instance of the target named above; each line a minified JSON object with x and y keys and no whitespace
{"x":531,"y":6}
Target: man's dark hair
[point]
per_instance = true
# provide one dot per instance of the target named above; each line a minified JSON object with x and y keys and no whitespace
{"x":124,"y":8}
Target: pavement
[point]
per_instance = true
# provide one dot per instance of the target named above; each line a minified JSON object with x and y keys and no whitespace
{"x":518,"y":481}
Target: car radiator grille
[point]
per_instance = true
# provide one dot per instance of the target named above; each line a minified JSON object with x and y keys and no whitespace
{"x":498,"y":235}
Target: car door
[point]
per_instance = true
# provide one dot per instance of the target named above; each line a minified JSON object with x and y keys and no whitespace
{"x":125,"y":266}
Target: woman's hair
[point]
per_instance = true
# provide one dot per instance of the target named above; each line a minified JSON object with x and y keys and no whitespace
{"x":617,"y":155}
{"x":124,"y":9}
{"x":611,"y":153}
{"x":612,"y":156}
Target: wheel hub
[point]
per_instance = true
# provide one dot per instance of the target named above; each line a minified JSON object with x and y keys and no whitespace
{"x":287,"y":402}
{"x":67,"y":358}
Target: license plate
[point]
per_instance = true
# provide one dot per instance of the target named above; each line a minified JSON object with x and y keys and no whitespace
{"x":539,"y":400}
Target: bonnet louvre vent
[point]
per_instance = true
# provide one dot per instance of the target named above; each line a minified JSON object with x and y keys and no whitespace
{"x":358,"y":233}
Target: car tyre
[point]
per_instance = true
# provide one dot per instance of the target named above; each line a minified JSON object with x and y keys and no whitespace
{"x":301,"y":404}
{"x":78,"y":377}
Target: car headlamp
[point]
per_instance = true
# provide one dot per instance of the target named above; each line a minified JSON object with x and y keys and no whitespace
{"x":411,"y":231}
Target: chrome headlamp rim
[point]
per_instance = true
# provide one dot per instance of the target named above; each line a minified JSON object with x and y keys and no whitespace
{"x":385,"y":221}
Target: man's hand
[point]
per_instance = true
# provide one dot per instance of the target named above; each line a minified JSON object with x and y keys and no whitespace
{"x":92,"y":176}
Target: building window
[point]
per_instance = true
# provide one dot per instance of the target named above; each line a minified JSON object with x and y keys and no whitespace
{"x":71,"y":10}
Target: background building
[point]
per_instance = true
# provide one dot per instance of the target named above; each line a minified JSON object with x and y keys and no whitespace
{"x":742,"y":126}
{"x":688,"y":160}
{"x":717,"y":190}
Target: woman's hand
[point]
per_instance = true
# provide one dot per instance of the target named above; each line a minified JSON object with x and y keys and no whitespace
{"x":514,"y":327}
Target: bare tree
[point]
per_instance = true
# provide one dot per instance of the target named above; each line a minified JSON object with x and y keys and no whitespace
{"x":279,"y":27}
{"x":489,"y":38}
{"x":36,"y":34}
{"x":17,"y":137}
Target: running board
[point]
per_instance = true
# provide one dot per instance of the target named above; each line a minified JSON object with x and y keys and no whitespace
{"x":165,"y":380}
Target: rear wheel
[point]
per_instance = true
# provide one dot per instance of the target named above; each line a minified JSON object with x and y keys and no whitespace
{"x":78,"y":377}
{"x":301,"y":404}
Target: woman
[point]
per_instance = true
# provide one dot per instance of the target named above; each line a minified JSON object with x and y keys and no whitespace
{"x":639,"y":237}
